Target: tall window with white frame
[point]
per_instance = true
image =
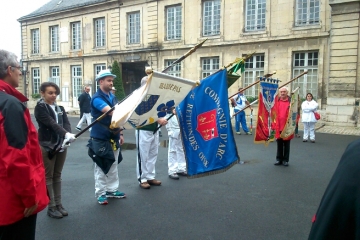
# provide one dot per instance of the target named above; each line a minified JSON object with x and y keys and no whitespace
{"x":306,"y":61}
{"x":36,"y":80}
{"x":209,"y":66}
{"x":77,"y":85}
{"x":98,"y":68}
{"x":55,"y":75}
{"x":254,"y":67}
{"x":100,"y":32}
{"x":35,"y":41}
{"x":75,"y":35}
{"x":54,"y":39}
{"x":211,"y":17}
{"x":174,"y":70}
{"x":173,"y":22}
{"x":134,"y":27}
{"x":255,"y":15}
{"x":307,"y":12}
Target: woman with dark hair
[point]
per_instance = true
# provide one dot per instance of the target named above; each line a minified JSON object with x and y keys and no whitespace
{"x":54,"y":133}
{"x":308,"y":107}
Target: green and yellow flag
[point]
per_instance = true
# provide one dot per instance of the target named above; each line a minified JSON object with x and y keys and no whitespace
{"x":237,"y":68}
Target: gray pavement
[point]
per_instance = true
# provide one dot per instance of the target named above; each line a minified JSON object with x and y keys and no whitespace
{"x":255,"y":200}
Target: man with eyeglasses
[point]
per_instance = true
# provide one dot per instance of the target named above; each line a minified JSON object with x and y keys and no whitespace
{"x":22,"y":174}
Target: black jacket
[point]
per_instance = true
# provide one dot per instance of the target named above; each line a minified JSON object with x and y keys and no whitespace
{"x":51,"y":134}
{"x":338,"y":216}
{"x":84,"y":102}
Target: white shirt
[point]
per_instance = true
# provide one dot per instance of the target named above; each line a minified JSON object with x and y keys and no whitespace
{"x":308,"y":109}
{"x":240,"y":101}
{"x":172,"y":126}
{"x":56,"y":115}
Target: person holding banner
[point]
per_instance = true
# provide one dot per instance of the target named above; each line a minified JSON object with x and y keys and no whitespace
{"x":239,"y":102}
{"x":176,"y":156}
{"x":54,"y":132}
{"x":104,"y":143}
{"x":308,"y":107}
{"x":147,"y":142}
{"x":281,"y":108}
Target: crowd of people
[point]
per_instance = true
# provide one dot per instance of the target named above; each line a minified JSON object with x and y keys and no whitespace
{"x":34,"y":159}
{"x":306,"y":111}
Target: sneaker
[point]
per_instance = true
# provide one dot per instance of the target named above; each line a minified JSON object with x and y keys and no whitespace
{"x":184,"y":173}
{"x":312,"y":140}
{"x":115,"y":194}
{"x":174,"y":176}
{"x":62,"y":210}
{"x":102,"y":200}
{"x":248,"y":133}
{"x":54,"y":213}
{"x":304,"y":140}
{"x":238,"y":133}
{"x":77,"y":128}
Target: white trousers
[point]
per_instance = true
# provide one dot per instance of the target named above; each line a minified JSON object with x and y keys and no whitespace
{"x":148,"y":147}
{"x":85,"y":116}
{"x":110,"y":181}
{"x":176,"y":157}
{"x":309,"y":127}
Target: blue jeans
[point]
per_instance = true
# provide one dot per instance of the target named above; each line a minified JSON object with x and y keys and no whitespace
{"x":240,"y":118}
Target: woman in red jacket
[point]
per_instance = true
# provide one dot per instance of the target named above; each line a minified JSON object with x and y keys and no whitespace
{"x":282,"y":108}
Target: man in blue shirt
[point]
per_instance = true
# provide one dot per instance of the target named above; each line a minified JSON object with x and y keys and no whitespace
{"x":104,"y":143}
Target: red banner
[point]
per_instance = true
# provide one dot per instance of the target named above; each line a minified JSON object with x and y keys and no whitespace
{"x":266,"y":113}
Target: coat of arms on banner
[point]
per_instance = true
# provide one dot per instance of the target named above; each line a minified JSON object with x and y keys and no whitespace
{"x":206,"y":125}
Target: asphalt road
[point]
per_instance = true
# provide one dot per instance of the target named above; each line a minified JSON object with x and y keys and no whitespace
{"x":255,"y":200}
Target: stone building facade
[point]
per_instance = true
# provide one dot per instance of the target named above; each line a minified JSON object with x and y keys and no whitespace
{"x":68,"y":43}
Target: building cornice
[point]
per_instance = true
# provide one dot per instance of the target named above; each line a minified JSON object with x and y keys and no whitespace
{"x":209,"y":44}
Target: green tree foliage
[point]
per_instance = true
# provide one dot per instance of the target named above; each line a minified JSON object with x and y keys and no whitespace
{"x":118,"y":83}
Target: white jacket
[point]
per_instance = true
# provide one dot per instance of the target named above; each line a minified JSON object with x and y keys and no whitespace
{"x":308,"y":109}
{"x":172,"y":126}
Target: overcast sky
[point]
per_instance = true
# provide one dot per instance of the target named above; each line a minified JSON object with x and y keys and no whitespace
{"x":10,"y":39}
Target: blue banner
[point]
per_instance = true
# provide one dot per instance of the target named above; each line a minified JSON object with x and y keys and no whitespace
{"x":206,"y":129}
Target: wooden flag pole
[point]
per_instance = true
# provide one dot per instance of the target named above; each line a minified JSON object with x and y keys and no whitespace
{"x":245,"y":107}
{"x":266,"y":76}
{"x":299,"y":76}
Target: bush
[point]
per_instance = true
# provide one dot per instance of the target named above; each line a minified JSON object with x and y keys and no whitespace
{"x":118,"y":83}
{"x":251,"y":99}
{"x":36,"y":95}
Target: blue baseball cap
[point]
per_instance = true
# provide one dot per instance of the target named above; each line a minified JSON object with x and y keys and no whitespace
{"x":104,"y":73}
